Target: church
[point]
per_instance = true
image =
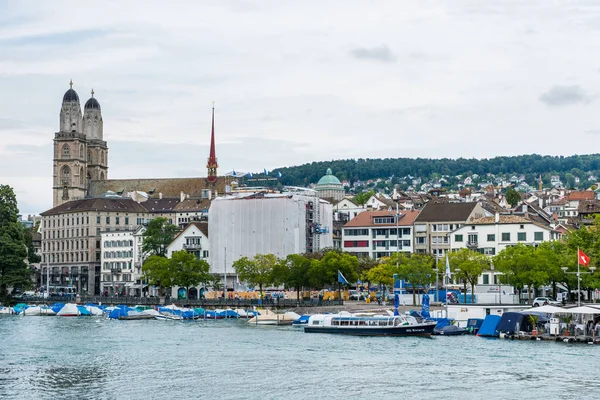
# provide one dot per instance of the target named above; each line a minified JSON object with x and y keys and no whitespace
{"x":86,"y":203}
{"x":80,"y":168}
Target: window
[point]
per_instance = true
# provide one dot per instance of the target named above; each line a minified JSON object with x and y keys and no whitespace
{"x":98,"y":219}
{"x":356,"y":232}
{"x":491,"y":238}
{"x":521,"y":226}
{"x":458,"y":238}
{"x":538,"y":236}
{"x":66,"y":151}
{"x":420,"y":228}
{"x":126,"y":220}
{"x":65,"y":174}
{"x":116,"y":220}
{"x":486,"y":279}
{"x":384,"y":220}
{"x":107,"y":220}
{"x":506,"y":236}
{"x":522,"y":236}
{"x":421,"y":240}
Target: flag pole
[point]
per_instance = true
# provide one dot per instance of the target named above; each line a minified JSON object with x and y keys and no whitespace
{"x":578,"y":282}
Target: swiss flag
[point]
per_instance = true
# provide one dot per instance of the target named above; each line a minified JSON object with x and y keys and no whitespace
{"x":582,"y":258}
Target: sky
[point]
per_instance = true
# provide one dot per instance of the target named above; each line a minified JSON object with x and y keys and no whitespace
{"x":295,"y":82}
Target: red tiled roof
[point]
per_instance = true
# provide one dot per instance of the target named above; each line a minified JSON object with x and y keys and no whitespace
{"x":585,"y":195}
{"x":365,"y":218}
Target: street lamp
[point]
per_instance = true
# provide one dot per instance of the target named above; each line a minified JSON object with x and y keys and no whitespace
{"x":578,"y":273}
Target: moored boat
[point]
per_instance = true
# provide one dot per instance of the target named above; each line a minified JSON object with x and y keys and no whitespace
{"x":39,"y":310}
{"x":378,"y":325}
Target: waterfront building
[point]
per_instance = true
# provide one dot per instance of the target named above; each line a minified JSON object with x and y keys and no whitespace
{"x":71,"y":238}
{"x":330,"y":187}
{"x":116,"y":257}
{"x":246,"y":224}
{"x":491,"y":235}
{"x":379,"y":234}
{"x":193,"y":239}
{"x":436,"y":221}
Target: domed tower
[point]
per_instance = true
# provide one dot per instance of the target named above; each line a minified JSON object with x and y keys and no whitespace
{"x":70,"y":146}
{"x":97,"y":151}
{"x":330,"y":187}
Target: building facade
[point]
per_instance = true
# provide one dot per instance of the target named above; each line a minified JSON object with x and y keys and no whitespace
{"x":436,"y":221}
{"x":71,"y":239}
{"x":491,"y":235}
{"x":193,"y":239}
{"x":246,"y":224}
{"x":117,"y":259}
{"x":379,"y":234}
{"x":330,"y":187}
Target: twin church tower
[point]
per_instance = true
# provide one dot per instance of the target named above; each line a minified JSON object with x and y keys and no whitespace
{"x":80,"y":153}
{"x":80,"y":166}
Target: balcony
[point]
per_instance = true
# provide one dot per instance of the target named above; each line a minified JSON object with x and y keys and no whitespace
{"x":196,"y":246}
{"x":472,"y":244}
{"x":116,"y":270}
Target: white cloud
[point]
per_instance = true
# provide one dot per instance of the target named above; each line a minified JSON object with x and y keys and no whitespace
{"x":466,"y":80}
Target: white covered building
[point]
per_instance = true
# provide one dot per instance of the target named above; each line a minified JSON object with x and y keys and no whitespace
{"x":247,"y":224}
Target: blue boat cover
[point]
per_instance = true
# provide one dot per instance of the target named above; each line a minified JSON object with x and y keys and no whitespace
{"x":83,"y":311}
{"x":56,"y":307}
{"x":488,"y":328}
{"x":425,"y":306}
{"x":513,"y":321}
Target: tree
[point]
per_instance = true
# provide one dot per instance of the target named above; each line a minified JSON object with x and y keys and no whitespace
{"x":13,"y":250}
{"x":182,"y":269}
{"x":156,"y":271}
{"x":363,"y":197}
{"x":188,"y":270}
{"x":157,"y":237}
{"x":32,"y":258}
{"x":512,"y":196}
{"x":382,"y":274}
{"x":325,"y":271}
{"x":417,"y":269}
{"x":468,"y":265}
{"x":258,"y":271}
{"x":521,"y":267}
{"x":292,"y":272}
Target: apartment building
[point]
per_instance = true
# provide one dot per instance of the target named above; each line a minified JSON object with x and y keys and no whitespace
{"x":379,"y":234}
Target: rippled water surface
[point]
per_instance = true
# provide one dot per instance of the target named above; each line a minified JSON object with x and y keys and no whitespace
{"x":91,"y":358}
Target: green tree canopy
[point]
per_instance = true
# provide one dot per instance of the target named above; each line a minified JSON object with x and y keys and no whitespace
{"x":325,"y":271}
{"x":468,"y":265}
{"x":13,"y":250}
{"x":182,"y":269}
{"x":257,"y":271}
{"x":292,"y":272}
{"x":512,"y":196}
{"x":416,"y":269}
{"x":157,"y":237}
{"x":363,"y":197}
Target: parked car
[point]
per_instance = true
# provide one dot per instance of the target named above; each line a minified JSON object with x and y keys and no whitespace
{"x":355,"y":295}
{"x":544,"y":301}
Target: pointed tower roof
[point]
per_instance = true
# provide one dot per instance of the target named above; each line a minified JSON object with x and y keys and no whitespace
{"x":212,"y":164}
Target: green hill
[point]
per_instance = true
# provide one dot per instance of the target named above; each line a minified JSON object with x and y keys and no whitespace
{"x":531,"y":166}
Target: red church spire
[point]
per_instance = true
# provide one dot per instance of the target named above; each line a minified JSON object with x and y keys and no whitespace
{"x":212,"y":165}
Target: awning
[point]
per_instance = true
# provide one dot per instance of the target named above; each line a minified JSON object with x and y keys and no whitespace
{"x":583,"y":310}
{"x":547,"y":309}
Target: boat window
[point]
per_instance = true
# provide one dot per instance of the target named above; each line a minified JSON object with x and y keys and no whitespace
{"x":382,"y":323}
{"x":396,"y":322}
{"x":362,"y":322}
{"x":317,"y":322}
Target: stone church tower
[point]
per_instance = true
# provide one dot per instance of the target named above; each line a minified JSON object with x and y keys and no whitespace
{"x":80,"y":154}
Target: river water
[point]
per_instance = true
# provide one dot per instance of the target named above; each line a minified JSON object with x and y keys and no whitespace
{"x":92,"y":358}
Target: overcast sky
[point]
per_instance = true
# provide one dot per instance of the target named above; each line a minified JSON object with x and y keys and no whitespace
{"x":296,"y":81}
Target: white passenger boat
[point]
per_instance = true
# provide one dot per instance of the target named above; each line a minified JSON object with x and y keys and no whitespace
{"x":165,"y":316}
{"x":377,"y":325}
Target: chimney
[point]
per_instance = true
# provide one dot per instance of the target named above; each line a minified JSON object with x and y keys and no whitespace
{"x":524,"y":208}
{"x":540,"y":202}
{"x":160,"y":195}
{"x":497,"y":218}
{"x":181,"y":196}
